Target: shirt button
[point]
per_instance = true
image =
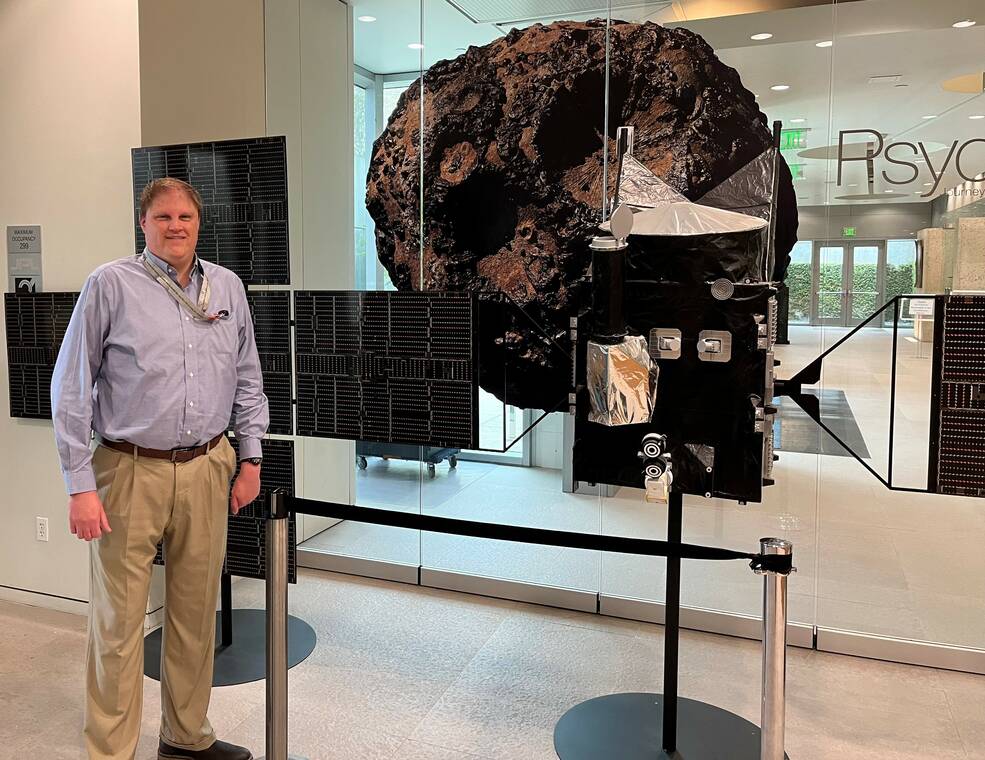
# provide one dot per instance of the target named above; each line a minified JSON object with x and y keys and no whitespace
{"x":189,"y":345}
{"x":191,"y":403}
{"x":188,"y":432}
{"x":191,"y":374}
{"x":188,"y":319}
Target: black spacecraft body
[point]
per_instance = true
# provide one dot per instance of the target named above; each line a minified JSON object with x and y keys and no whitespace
{"x":695,"y":287}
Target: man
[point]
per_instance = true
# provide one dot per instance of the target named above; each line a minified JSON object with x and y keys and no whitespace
{"x":158,"y":357}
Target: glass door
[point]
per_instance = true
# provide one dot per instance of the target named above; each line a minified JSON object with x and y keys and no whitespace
{"x":850,"y":279}
{"x":864,"y":291}
{"x":830,"y":267}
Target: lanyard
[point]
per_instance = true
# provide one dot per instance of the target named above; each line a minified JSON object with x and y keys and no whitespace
{"x":197,"y":309}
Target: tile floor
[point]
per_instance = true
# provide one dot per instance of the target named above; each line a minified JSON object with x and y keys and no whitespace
{"x":419,"y":674}
{"x":870,"y":559}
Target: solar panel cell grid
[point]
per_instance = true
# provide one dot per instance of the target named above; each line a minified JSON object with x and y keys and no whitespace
{"x":243,"y":184}
{"x":387,"y":367}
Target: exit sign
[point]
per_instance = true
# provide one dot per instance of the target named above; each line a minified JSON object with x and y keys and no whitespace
{"x":848,"y":232}
{"x":793,"y":139}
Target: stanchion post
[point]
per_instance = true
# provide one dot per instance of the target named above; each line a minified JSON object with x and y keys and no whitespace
{"x":672,"y":622}
{"x":277,"y":549}
{"x":774,"y":652}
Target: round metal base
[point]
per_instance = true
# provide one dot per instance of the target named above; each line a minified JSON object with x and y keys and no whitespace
{"x":629,"y":727}
{"x":245,"y":659}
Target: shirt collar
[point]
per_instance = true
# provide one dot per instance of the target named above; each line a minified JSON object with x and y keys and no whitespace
{"x":162,"y":264}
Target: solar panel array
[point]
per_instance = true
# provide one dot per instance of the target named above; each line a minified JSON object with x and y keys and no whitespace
{"x":386,"y":366}
{"x":960,"y":465}
{"x":246,"y":541}
{"x":243,"y":184}
{"x":36,"y":324}
{"x":271,"y":313}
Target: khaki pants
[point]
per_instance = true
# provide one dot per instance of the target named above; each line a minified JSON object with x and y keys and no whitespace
{"x":146,"y":500}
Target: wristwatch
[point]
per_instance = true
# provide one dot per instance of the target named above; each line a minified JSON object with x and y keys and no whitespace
{"x":253,"y":460}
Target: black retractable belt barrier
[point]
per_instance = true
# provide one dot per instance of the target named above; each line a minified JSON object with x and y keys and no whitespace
{"x":594,"y":728}
{"x":618,"y":544}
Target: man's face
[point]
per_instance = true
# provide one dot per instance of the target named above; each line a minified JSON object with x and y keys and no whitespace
{"x":171,"y":227}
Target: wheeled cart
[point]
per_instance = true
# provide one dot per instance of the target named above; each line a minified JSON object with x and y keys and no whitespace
{"x":431,"y":455}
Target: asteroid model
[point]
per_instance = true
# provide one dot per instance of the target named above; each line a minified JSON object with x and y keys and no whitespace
{"x":507,"y":187}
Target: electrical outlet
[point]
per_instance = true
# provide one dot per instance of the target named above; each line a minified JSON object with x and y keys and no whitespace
{"x":42,"y":529}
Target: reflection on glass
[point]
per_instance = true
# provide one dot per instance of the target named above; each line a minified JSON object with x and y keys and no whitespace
{"x":363,"y":119}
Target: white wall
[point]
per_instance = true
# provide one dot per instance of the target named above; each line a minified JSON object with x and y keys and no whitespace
{"x":70,"y":98}
{"x":873,"y":221}
{"x":201,"y":70}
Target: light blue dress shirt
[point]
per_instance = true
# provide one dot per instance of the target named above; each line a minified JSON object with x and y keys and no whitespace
{"x":136,"y":366}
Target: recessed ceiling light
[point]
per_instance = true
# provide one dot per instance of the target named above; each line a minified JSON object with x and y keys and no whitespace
{"x":887,"y":191}
{"x":761,"y":36}
{"x":929,"y":116}
{"x":964,"y":24}
{"x":977,"y":116}
{"x":854,"y":184}
{"x":367,"y":19}
{"x":797,"y":121}
{"x":416,"y":46}
{"x":928,"y":184}
{"x":780,"y":87}
{"x":825,"y":43}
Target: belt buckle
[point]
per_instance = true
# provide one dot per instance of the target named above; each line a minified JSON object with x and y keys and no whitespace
{"x":175,"y":452}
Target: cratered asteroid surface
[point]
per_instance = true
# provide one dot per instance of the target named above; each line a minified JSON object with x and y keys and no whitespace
{"x":513,"y":172}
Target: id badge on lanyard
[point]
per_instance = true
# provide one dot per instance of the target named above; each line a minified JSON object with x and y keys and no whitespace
{"x":197,"y":310}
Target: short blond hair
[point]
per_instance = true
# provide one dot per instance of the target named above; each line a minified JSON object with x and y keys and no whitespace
{"x":158,"y":187}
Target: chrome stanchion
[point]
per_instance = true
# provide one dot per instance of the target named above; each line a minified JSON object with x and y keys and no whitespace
{"x":277,"y":550}
{"x":774,"y":653}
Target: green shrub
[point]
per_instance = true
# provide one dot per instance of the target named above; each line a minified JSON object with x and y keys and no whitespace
{"x":900,"y":278}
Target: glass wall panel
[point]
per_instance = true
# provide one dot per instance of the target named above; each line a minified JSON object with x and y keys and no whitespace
{"x":510,"y":122}
{"x":387,"y":59}
{"x":512,"y":133}
{"x":788,"y":508}
{"x":897,"y":96}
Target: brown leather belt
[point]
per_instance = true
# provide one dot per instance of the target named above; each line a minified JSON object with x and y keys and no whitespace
{"x":172,"y":455}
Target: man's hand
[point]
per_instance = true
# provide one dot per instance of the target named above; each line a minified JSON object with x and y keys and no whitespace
{"x":86,"y":516}
{"x":246,"y":486}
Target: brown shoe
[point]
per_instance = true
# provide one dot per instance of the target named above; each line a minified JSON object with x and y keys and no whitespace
{"x":218,"y":751}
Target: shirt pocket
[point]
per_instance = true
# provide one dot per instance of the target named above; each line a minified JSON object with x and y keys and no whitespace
{"x":222,"y":338}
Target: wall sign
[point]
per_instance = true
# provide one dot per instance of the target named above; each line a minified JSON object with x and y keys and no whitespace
{"x":922,"y":307}
{"x":916,"y":152}
{"x":24,"y":258}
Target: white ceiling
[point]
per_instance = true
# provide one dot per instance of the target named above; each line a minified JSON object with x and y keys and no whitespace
{"x":828,"y":86}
